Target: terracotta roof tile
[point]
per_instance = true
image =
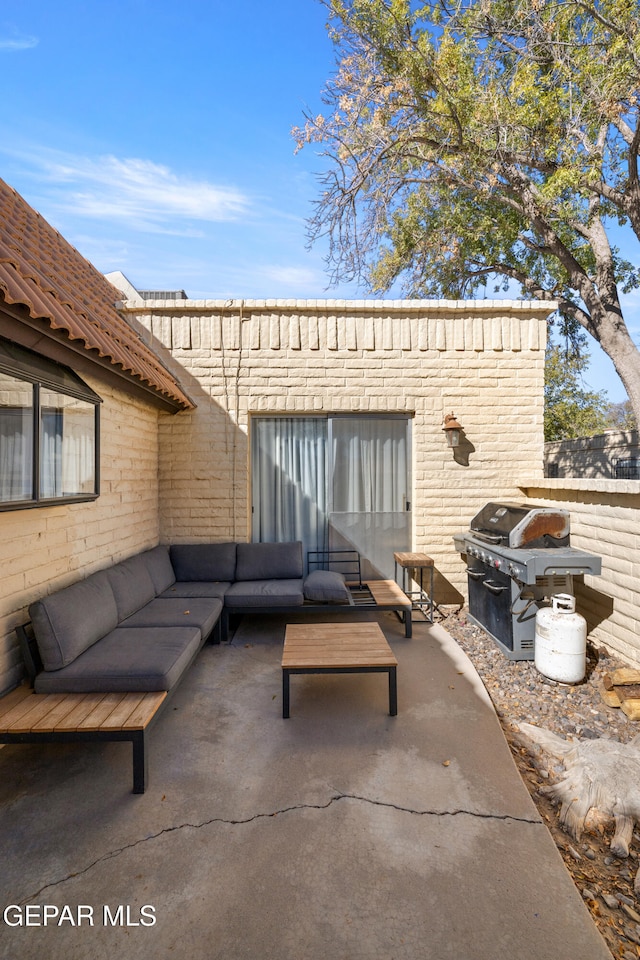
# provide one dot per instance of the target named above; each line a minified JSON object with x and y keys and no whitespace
{"x":42,"y":271}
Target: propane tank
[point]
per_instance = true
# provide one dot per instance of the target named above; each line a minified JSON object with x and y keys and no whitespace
{"x":561,"y":640}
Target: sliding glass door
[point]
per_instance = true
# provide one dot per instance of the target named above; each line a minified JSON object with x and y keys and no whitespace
{"x":339,"y":481}
{"x":369,"y":503}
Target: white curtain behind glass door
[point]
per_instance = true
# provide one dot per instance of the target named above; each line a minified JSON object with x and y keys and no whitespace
{"x":289,"y":480}
{"x":346,"y":492}
{"x":369,"y":488}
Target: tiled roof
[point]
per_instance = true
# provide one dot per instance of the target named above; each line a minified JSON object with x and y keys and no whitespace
{"x":42,"y":271}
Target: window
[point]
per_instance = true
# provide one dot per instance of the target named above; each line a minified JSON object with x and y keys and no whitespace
{"x":49,"y":432}
{"x":627,"y":468}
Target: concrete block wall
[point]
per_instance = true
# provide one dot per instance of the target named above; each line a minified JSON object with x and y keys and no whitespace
{"x":484,"y":360}
{"x":45,"y":548}
{"x":605,"y":520}
{"x":591,"y":456}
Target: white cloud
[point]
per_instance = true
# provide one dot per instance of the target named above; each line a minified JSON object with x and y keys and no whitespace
{"x":289,"y":276}
{"x":103,"y":249}
{"x":143,"y":191}
{"x":18,"y":42}
{"x":146,"y":195}
{"x":165,"y":229}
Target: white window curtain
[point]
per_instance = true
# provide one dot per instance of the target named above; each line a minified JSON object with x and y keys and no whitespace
{"x":16,"y":439}
{"x":336,"y":482}
{"x":369,"y":489}
{"x":289,"y":480}
{"x":369,"y":464}
{"x":50,"y":454}
{"x":67,"y":446}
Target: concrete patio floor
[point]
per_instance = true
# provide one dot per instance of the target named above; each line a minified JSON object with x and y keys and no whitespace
{"x":339,"y":834}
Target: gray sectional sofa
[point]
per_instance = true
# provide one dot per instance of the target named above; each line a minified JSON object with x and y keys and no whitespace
{"x":125,"y":636}
{"x":118,"y":630}
{"x":137,"y":626}
{"x":266,"y":578}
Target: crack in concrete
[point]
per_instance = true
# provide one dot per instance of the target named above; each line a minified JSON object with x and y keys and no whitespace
{"x":112,"y":854}
{"x":438,"y":813}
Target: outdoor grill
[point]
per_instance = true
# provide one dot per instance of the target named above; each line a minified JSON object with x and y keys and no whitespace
{"x":518,"y":556}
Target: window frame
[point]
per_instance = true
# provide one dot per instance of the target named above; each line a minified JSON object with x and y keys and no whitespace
{"x":32,"y":368}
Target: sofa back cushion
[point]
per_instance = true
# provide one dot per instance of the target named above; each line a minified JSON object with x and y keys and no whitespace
{"x":131,"y":584}
{"x":68,"y":622}
{"x":203,"y":561}
{"x":269,"y":561}
{"x":159,"y":567}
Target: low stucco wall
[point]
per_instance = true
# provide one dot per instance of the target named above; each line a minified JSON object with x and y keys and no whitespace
{"x":45,"y":548}
{"x":605,"y":520}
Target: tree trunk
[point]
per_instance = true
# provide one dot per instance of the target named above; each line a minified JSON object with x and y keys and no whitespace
{"x":616,"y":342}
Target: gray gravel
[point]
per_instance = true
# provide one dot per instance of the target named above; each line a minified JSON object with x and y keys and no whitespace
{"x":520,"y":693}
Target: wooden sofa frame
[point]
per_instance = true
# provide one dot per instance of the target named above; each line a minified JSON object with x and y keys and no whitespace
{"x":29,"y":717}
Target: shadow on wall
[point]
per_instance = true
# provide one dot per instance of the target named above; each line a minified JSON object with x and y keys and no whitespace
{"x":462,"y":453}
{"x":595,"y":606}
{"x":203,"y":460}
{"x":445,"y":592}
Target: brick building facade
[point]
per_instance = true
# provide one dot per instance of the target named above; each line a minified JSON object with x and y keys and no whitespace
{"x":187,"y":475}
{"x":243,"y":360}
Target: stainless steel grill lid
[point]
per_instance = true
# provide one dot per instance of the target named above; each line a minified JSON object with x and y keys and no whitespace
{"x":519,"y":525}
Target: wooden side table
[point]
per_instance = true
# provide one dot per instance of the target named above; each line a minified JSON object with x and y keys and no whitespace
{"x":410,"y":564}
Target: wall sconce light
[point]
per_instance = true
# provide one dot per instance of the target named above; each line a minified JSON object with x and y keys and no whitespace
{"x":452,"y":429}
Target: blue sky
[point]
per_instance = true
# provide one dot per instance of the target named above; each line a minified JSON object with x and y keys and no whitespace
{"x":155,"y":137}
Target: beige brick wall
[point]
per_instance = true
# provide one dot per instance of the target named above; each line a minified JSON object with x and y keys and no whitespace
{"x":605,"y":520}
{"x":483,"y":360}
{"x":50,"y":547}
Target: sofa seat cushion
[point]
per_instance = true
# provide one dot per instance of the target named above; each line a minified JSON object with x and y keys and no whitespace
{"x":159,"y":566}
{"x":273,"y":561}
{"x":203,"y":561}
{"x":196,"y":588}
{"x":131,"y":584}
{"x":161,"y":612}
{"x":326,"y":586}
{"x":69,"y":621}
{"x":129,"y":659}
{"x":264,"y":593}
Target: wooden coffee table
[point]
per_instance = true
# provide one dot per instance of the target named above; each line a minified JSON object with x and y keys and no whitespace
{"x":337,"y":648}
